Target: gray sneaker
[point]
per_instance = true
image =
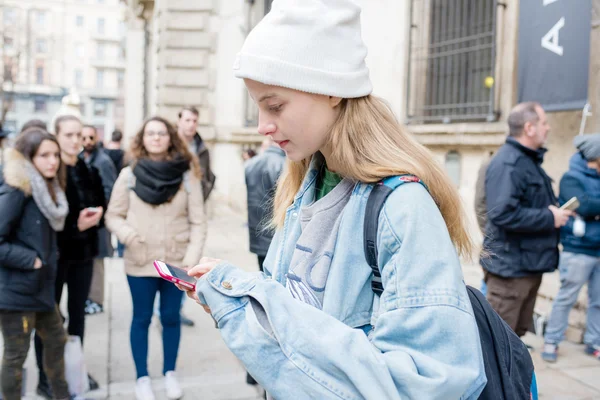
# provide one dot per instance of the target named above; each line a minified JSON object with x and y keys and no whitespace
{"x":186,"y":321}
{"x":550,"y":353}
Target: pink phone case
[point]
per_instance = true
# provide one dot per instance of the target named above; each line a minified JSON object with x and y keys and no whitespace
{"x":173,"y":279}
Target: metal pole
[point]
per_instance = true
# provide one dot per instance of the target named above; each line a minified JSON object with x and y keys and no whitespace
{"x":587,"y":112}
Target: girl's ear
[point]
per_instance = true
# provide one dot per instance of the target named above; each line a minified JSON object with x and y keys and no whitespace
{"x":334,"y":101}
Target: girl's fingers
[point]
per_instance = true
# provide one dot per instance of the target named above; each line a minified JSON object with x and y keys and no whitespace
{"x":199,"y":270}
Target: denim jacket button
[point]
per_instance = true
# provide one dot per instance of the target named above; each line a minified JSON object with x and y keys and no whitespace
{"x":226,"y":285}
{"x":294,"y":215}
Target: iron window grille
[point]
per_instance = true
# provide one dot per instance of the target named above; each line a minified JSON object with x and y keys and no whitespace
{"x":452,"y":57}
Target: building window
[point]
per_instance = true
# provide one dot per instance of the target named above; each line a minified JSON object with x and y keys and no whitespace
{"x":99,"y":109}
{"x":78,"y":78}
{"x":41,"y":19}
{"x":79,"y":51}
{"x":82,"y":108}
{"x":100,"y":79}
{"x":101,"y":26}
{"x":79,"y":21}
{"x":268,"y":4}
{"x":453,"y":169}
{"x":40,"y":105}
{"x":41,"y":46}
{"x":100,"y":51}
{"x":39,"y":75}
{"x":451,"y":61}
{"x":9,"y":16}
{"x":9,"y":43}
{"x":120,"y":79}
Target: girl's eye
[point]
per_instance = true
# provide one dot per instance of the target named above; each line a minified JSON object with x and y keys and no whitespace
{"x":276,"y":108}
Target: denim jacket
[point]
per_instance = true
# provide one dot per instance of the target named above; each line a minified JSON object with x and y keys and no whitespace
{"x":419,"y":341}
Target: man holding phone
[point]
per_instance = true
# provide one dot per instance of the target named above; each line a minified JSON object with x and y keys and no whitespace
{"x":523,"y":219}
{"x":580,"y":259}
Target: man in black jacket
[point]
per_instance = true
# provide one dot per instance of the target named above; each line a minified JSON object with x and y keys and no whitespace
{"x":262,"y":173}
{"x":523,"y":220}
{"x":187,"y":127}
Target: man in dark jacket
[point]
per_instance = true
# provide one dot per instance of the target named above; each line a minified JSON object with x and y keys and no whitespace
{"x":187,"y":127}
{"x":480,"y":204}
{"x":114,"y":151}
{"x":580,"y":259}
{"x":97,"y":158}
{"x":523,"y":220}
{"x":262,"y":173}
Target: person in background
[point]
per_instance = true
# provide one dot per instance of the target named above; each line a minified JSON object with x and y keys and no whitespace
{"x":96,"y":157}
{"x":248,"y":154}
{"x":3,"y":136}
{"x":262,"y":173}
{"x":480,"y":206}
{"x":78,"y":242}
{"x":34,"y":207}
{"x":117,"y":154}
{"x":34,"y":123}
{"x":523,"y":219}
{"x":187,"y":128}
{"x":157,"y":211}
{"x":580,"y":259}
{"x":114,"y":151}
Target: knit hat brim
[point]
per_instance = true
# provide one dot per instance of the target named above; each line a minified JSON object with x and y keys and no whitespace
{"x":275,"y":72}
{"x":589,"y":145}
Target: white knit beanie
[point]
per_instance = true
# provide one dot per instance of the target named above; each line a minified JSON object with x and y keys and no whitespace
{"x":314,"y":46}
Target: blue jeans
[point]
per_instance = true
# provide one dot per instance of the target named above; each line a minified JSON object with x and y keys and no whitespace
{"x":575,"y":271}
{"x":143,"y":292}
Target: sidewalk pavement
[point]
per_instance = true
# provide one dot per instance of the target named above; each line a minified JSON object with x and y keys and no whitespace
{"x":209,"y":371}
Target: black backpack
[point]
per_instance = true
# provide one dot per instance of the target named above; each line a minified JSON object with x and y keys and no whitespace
{"x":508,"y":364}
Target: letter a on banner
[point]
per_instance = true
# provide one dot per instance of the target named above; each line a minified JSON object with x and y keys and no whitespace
{"x":550,"y":39}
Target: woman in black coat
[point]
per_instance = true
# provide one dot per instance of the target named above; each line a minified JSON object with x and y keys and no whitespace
{"x":78,"y":242}
{"x":33,"y":207}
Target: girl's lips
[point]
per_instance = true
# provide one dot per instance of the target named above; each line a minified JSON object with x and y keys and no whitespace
{"x":283,"y":143}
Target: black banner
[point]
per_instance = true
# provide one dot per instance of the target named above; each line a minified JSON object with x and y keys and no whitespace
{"x":554,"y":53}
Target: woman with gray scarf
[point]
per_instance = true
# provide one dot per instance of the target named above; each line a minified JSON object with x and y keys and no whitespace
{"x":33,"y":207}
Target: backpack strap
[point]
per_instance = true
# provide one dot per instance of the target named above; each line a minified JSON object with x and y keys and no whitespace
{"x":377,"y":198}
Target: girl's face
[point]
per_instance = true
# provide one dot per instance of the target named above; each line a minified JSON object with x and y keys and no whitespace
{"x":47,"y":159}
{"x":298,"y":122}
{"x":69,"y":137}
{"x":156,"y":139}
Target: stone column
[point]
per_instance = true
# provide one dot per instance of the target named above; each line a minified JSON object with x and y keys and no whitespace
{"x":136,"y":67}
{"x":183,"y":46}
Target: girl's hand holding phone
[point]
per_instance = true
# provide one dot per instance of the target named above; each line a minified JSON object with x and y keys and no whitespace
{"x":205,"y":265}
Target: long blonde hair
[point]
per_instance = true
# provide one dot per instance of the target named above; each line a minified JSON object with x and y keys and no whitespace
{"x":368,"y":144}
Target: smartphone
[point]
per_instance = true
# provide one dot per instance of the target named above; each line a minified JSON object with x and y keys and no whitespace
{"x":175,"y":275}
{"x":571,"y":205}
{"x":92,"y":210}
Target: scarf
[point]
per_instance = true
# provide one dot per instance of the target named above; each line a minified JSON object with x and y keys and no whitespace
{"x":55,"y":213}
{"x":157,"y":182}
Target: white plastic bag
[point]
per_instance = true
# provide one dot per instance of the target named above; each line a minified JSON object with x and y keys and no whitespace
{"x":75,"y":369}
